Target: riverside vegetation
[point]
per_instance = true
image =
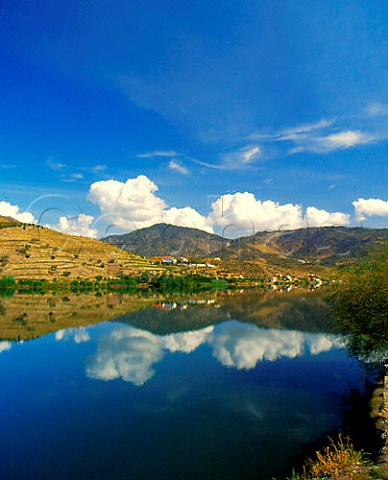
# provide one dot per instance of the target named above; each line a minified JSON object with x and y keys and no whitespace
{"x":360,"y":314}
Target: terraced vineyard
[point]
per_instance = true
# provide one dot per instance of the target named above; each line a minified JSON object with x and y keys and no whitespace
{"x":31,"y":251}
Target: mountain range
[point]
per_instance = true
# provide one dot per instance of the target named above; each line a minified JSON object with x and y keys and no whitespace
{"x":33,"y":251}
{"x":324,"y":245}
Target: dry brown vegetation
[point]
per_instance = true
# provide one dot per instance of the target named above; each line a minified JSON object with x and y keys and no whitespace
{"x":278,"y":265}
{"x":31,"y":251}
{"x":339,"y":461}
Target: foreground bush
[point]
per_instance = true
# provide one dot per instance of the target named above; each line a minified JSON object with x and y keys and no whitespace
{"x":339,"y":461}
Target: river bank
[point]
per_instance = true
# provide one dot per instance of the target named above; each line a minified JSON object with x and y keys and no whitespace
{"x":382,"y":422}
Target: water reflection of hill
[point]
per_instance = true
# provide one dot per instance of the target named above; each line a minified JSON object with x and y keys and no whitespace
{"x":29,"y":316}
{"x":23,"y":317}
{"x":299,"y":310}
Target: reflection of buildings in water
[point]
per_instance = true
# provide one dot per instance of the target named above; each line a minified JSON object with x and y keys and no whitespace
{"x":169,"y":306}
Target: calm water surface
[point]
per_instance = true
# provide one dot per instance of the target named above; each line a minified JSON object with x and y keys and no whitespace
{"x":230,"y":400}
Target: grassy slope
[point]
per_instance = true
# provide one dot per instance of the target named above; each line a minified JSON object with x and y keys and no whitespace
{"x":36,"y":252}
{"x":6,"y":222}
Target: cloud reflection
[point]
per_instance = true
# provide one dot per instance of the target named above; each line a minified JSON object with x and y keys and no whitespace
{"x":130,"y":354}
{"x":79,"y":335}
{"x":4,"y":346}
{"x":242,"y":346}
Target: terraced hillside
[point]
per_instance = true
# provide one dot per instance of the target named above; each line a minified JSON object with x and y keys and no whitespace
{"x":31,"y":251}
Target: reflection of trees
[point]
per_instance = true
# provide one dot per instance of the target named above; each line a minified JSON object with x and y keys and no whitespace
{"x":360,"y":304}
{"x":295,"y":310}
{"x":162,"y":322}
{"x":299,"y":310}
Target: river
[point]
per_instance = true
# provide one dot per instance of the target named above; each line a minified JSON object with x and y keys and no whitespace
{"x":214,"y":386}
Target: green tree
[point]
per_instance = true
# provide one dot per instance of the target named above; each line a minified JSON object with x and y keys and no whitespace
{"x":7,"y":283}
{"x":360,"y":306}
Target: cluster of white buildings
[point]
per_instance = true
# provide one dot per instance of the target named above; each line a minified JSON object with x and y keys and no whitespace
{"x":184,"y":261}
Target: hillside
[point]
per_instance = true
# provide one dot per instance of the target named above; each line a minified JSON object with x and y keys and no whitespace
{"x":164,"y":239}
{"x":326,"y":246}
{"x":31,"y":251}
{"x":6,"y":222}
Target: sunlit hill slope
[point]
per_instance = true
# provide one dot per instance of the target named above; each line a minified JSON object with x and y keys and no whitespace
{"x":31,"y":251}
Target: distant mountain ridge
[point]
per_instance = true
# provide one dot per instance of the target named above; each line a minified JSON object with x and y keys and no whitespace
{"x":165,"y":239}
{"x":328,"y":245}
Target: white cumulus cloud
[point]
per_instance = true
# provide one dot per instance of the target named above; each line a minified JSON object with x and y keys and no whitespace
{"x":8,"y":210}
{"x":315,"y":217}
{"x":133,"y":201}
{"x":134,"y":204}
{"x":79,"y":226}
{"x":370,"y":207}
{"x":186,"y":217}
{"x":245,"y":213}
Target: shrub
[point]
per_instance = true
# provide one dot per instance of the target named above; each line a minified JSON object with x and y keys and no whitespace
{"x":3,"y":260}
{"x":337,"y":461}
{"x":8,"y":282}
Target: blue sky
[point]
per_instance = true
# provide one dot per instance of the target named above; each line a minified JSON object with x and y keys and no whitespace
{"x":197,"y":113}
